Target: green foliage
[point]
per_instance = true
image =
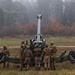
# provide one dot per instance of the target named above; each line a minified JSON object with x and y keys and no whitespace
{"x":14,"y":13}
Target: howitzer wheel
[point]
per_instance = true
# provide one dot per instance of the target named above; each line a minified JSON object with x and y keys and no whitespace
{"x":2,"y":57}
{"x":72,"y":56}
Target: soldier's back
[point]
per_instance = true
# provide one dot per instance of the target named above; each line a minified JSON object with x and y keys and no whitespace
{"x":6,"y":52}
{"x":46,"y":51}
{"x":27,"y":53}
{"x":37,"y":52}
{"x":53,"y":48}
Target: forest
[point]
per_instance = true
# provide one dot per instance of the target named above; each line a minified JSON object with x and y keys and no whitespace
{"x":19,"y":17}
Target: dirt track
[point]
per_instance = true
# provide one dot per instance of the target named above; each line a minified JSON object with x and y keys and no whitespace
{"x":57,"y":46}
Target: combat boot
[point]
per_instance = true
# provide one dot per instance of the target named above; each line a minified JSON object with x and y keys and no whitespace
{"x":48,"y":68}
{"x":21,"y":69}
{"x":7,"y":64}
{"x":53,"y":68}
{"x":38,"y":68}
{"x":45,"y":68}
{"x":4,"y":65}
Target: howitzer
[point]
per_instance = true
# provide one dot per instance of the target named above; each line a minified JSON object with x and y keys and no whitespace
{"x":61,"y":58}
{"x":38,"y":39}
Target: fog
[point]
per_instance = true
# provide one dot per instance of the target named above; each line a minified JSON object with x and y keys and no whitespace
{"x":22,"y":12}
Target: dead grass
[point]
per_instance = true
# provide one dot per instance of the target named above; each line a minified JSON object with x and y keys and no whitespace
{"x":65,"y":68}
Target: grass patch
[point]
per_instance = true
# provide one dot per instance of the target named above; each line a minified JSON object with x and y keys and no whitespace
{"x":59,"y":41}
{"x":65,"y":68}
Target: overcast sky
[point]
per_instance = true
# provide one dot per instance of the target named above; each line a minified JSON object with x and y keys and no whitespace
{"x":29,"y":0}
{"x":19,"y":0}
{"x":15,"y":0}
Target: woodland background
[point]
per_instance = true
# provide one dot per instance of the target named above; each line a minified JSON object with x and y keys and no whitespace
{"x":19,"y":17}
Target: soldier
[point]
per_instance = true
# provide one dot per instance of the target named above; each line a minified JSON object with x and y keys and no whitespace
{"x":46,"y":57}
{"x":37,"y":54}
{"x":6,"y":52}
{"x":23,"y":47}
{"x":27,"y":57}
{"x":26,"y":42}
{"x":52,"y":55}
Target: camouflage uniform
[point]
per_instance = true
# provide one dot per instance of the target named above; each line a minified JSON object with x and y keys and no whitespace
{"x":37,"y":53}
{"x":46,"y":57}
{"x":26,"y":42}
{"x":27,"y":57}
{"x":23,"y":47}
{"x":6,"y":52}
{"x":53,"y":56}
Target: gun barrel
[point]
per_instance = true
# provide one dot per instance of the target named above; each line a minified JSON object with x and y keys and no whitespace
{"x":39,"y":24}
{"x":38,"y":36}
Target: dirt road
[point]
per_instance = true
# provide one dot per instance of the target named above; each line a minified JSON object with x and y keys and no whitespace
{"x":57,"y":46}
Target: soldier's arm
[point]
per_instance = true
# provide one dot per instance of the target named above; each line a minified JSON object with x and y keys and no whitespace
{"x":23,"y":54}
{"x":42,"y":53}
{"x":8,"y":52}
{"x":3,"y":51}
{"x":34,"y":51}
{"x":49,"y":50}
{"x":31,"y":54}
{"x":39,"y":49}
{"x":55,"y":49}
{"x":20,"y":52}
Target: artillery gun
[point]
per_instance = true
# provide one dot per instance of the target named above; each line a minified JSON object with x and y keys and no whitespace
{"x":38,"y":39}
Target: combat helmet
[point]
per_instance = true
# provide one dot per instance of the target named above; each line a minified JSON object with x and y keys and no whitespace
{"x":22,"y":42}
{"x":46,"y":45}
{"x":36,"y":45}
{"x":28,"y":47}
{"x":52,"y":42}
{"x":4,"y":48}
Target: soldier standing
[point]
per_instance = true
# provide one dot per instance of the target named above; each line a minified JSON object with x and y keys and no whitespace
{"x":46,"y":57}
{"x":53,"y":55}
{"x":26,"y":42}
{"x":37,"y":54}
{"x":23,"y":47}
{"x":6,"y":52}
{"x":27,"y":57}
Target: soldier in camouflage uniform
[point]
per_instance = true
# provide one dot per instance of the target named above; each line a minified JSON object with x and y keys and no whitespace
{"x":26,"y":42}
{"x":27,"y":57}
{"x":23,"y":47}
{"x":6,"y":52}
{"x":46,"y":57}
{"x":37,"y":54}
{"x":53,"y":55}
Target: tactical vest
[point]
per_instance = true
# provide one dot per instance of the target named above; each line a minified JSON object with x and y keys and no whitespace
{"x":46,"y":51}
{"x":27,"y":53}
{"x":23,"y":46}
{"x":6,"y":52}
{"x":53,"y":51}
{"x":37,"y":52}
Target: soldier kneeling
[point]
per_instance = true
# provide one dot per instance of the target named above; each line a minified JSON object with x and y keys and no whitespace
{"x":27,"y":57}
{"x":6,"y":52}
